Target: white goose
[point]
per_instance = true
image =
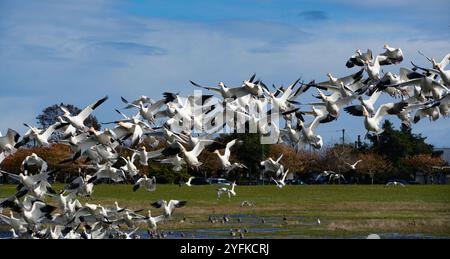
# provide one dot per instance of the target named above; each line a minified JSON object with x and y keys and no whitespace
{"x":229,"y":191}
{"x":353,"y":166}
{"x":308,"y":132}
{"x":391,"y":55}
{"x":225,"y":158}
{"x":107,"y":171}
{"x":34,"y":159}
{"x":373,"y":68}
{"x":190,"y":157}
{"x":271,"y":165}
{"x":169,"y":207}
{"x":78,"y":120}
{"x":177,"y":162}
{"x":8,"y":141}
{"x":368,"y":104}
{"x":188,"y":183}
{"x":30,"y":182}
{"x":359,"y":58}
{"x":144,"y":156}
{"x":152,"y":221}
{"x":40,"y":135}
{"x":129,"y":166}
{"x":144,"y":182}
{"x":373,"y":123}
{"x":281,"y":183}
{"x":38,"y":211}
{"x":333,"y":105}
{"x":18,"y":224}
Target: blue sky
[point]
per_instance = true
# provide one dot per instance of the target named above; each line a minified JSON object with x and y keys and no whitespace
{"x":58,"y":51}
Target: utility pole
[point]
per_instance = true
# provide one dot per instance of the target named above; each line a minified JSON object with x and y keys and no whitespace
{"x":343,"y":136}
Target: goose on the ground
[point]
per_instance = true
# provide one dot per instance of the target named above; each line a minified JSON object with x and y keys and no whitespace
{"x":229,"y":191}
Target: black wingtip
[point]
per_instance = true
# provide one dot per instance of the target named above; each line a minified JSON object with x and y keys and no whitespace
{"x":99,"y":102}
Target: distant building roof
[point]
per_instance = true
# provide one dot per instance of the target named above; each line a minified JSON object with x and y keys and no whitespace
{"x":445,"y":153}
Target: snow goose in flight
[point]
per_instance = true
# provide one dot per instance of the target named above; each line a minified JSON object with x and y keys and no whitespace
{"x":12,"y":203}
{"x":359,"y":58}
{"x":130,"y":126}
{"x":190,"y":157}
{"x":176,"y":161}
{"x":271,"y":165}
{"x":169,"y":207}
{"x":40,"y":135}
{"x":18,"y":224}
{"x":84,"y":142}
{"x":226,"y":92}
{"x":281,"y":103}
{"x":334,"y":83}
{"x":368,"y":104}
{"x":144,"y":156}
{"x":427,"y":84}
{"x":438,"y":68}
{"x":38,"y":211}
{"x":148,"y":112}
{"x":42,"y":188}
{"x":8,"y":141}
{"x":107,"y":171}
{"x":225,"y":163}
{"x":308,"y":132}
{"x":373,"y":68}
{"x":188,"y":183}
{"x":141,"y":99}
{"x":428,"y":110}
{"x":326,"y":173}
{"x":373,"y":123}
{"x":35,"y":160}
{"x":129,"y":166}
{"x":30,"y":182}
{"x":353,"y":166}
{"x":392,"y":55}
{"x":333,"y":105}
{"x":336,"y":176}
{"x":80,"y":186}
{"x":144,"y":182}
{"x":229,"y":191}
{"x":395,"y":183}
{"x":77,"y":121}
{"x":281,"y":183}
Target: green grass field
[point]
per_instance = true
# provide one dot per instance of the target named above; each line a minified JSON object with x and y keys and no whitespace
{"x":344,"y":210}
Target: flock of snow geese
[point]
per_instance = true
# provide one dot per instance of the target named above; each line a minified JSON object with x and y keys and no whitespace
{"x":188,"y":124}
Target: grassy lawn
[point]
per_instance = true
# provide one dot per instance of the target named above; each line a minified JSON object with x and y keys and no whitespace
{"x":344,"y":210}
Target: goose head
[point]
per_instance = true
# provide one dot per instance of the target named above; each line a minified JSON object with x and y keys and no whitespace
{"x":319,"y":142}
{"x":365,"y":112}
{"x":322,"y":96}
{"x":330,"y":76}
{"x":386,"y":46}
{"x":358,"y":51}
{"x":222,"y":85}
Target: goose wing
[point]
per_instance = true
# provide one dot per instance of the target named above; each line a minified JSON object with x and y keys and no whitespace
{"x":228,"y":147}
{"x":88,"y":110}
